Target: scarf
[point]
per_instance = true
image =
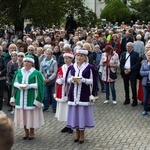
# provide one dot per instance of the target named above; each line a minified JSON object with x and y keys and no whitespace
{"x":46,"y":63}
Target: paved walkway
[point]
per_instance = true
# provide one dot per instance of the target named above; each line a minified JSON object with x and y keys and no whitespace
{"x":118,"y":127}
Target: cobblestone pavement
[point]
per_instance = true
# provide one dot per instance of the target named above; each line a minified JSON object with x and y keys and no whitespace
{"x":117,"y":127}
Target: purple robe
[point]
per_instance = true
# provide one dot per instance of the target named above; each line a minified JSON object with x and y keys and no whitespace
{"x":85,"y":88}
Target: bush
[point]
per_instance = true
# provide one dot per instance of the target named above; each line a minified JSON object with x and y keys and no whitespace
{"x":116,"y":11}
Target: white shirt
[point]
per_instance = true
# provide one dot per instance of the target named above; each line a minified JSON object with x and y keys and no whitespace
{"x":127,"y":63}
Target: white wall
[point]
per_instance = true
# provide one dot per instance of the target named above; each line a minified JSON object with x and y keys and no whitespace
{"x":95,"y":5}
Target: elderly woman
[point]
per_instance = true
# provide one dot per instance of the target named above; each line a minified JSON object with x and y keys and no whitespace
{"x":48,"y":68}
{"x":27,"y":91}
{"x":82,"y":77}
{"x":145,"y":73}
{"x":110,"y":62}
{"x":31,"y":51}
{"x":60,"y":93}
{"x":11,"y":48}
{"x":11,"y":69}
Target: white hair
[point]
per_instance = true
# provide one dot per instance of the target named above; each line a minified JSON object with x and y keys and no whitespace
{"x":31,"y":46}
{"x":29,"y":39}
{"x":46,"y":46}
{"x":79,"y":43}
{"x":67,"y":46}
{"x":138,"y":37}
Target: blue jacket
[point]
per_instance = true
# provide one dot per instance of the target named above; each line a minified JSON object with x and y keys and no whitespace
{"x":144,"y":72}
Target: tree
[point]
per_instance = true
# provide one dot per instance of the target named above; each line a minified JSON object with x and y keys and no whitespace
{"x":109,"y":1}
{"x":141,"y":9}
{"x":43,"y":12}
{"x":116,"y":11}
{"x":11,"y":12}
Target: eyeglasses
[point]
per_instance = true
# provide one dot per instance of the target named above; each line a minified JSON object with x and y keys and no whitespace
{"x":20,"y":56}
{"x":30,"y":50}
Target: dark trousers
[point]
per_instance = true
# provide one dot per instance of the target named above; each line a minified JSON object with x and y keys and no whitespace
{"x":146,"y":91}
{"x":127,"y":82}
{"x":2,"y":86}
{"x":49,"y":96}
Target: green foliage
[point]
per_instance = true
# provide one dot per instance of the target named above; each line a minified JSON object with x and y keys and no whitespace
{"x":44,"y":12}
{"x":109,"y":1}
{"x":141,"y":9}
{"x":116,"y":11}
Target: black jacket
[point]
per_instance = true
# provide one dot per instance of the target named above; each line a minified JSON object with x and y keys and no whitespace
{"x":134,"y":62}
{"x":2,"y":67}
{"x":124,"y":42}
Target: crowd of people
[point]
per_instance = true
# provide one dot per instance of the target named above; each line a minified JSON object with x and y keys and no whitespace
{"x":40,"y":68}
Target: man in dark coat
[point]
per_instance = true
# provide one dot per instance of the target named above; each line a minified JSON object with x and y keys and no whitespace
{"x":125,"y":40}
{"x":129,"y":65}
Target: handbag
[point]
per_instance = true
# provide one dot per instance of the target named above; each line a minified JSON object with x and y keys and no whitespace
{"x":113,"y":75}
{"x":12,"y":101}
{"x":91,"y":97}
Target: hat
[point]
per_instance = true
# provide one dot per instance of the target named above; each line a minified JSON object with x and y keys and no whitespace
{"x":82,"y":51}
{"x":29,"y":58}
{"x":69,"y":55}
{"x":13,"y":52}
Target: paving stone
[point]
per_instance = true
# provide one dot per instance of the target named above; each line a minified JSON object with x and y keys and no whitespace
{"x":117,"y":127}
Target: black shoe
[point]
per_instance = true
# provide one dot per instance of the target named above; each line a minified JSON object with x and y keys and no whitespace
{"x":65,"y":129}
{"x":126,"y":102}
{"x":134,"y":104}
{"x":24,"y":138}
{"x":70,"y":130}
{"x":81,"y":141}
{"x":54,"y":110}
{"x":76,"y":140}
{"x":30,"y":138}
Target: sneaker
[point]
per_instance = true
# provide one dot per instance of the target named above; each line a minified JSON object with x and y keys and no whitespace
{"x":144,"y":113}
{"x":2,"y":113}
{"x":106,"y":101}
{"x":96,"y":97}
{"x":46,"y":109}
{"x":114,"y":102}
{"x":12,"y":112}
